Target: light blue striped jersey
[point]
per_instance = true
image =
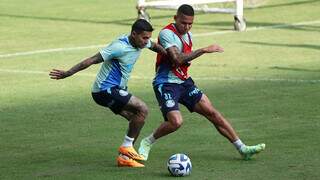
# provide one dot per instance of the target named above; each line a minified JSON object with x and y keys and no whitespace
{"x":119,"y":58}
{"x":167,"y":39}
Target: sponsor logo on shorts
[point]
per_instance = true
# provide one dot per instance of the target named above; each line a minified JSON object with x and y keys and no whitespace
{"x":123,"y":92}
{"x":194,"y":92}
{"x":170,"y":103}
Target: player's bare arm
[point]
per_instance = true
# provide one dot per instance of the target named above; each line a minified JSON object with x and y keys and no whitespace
{"x":179,"y":58}
{"x":61,"y":74}
{"x":157,"y":48}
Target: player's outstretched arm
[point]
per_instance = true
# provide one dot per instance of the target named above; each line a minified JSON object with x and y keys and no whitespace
{"x":157,"y":48}
{"x":179,"y":58}
{"x":213,"y":48}
{"x":61,"y":74}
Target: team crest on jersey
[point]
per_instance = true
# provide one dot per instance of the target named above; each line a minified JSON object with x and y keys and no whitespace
{"x":170,"y":103}
{"x":123,"y":92}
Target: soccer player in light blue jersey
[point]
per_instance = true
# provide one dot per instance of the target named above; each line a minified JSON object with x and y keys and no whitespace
{"x":110,"y":87}
{"x":173,"y":85}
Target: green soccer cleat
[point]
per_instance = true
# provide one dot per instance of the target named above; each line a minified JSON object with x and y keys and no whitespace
{"x":144,"y":149}
{"x":248,"y":151}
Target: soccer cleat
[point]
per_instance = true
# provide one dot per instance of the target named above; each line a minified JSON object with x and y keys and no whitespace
{"x":248,"y":151}
{"x":125,"y":161}
{"x":130,"y":152}
{"x":144,"y":149}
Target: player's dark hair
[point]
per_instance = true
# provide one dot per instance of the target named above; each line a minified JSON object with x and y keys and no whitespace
{"x":141,"y":25}
{"x":186,"y":9}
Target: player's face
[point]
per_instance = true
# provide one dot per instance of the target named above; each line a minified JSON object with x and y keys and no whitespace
{"x":183,"y":23}
{"x":142,"y":39}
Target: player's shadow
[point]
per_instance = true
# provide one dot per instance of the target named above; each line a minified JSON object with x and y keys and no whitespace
{"x":307,"y":46}
{"x":286,"y":26}
{"x":294,"y":69}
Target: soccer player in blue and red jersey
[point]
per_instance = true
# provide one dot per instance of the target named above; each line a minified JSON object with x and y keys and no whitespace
{"x":173,"y":85}
{"x":110,"y":87}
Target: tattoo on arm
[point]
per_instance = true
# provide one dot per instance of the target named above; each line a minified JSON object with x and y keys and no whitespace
{"x":61,"y":74}
{"x":179,"y":58}
{"x":158,"y":48}
{"x":97,"y":58}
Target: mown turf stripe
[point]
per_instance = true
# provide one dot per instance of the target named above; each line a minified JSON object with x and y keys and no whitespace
{"x":195,"y":35}
{"x":227,"y":78}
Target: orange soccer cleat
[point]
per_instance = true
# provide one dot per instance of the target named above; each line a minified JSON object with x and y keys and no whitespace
{"x":130,"y":152}
{"x":124,"y":161}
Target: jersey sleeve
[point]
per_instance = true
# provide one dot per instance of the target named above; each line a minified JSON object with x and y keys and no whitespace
{"x":166,"y":38}
{"x":111,"y":51}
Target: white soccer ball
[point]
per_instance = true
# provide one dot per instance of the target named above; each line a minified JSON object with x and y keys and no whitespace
{"x":179,"y":165}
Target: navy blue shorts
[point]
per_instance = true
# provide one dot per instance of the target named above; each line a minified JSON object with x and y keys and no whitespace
{"x":114,"y":98}
{"x":169,"y":95}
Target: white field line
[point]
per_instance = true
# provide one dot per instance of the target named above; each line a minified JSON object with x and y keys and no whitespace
{"x":195,"y":35}
{"x":195,"y":78}
{"x":50,"y":51}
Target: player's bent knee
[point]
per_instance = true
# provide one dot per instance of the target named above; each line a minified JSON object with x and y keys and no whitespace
{"x":143,"y":110}
{"x":140,"y":121}
{"x":176,"y":124}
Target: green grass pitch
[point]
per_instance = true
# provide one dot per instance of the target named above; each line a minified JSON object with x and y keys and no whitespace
{"x":266,"y":83}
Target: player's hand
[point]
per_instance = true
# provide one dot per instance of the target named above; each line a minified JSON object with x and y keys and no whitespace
{"x":213,"y":48}
{"x":58,"y":74}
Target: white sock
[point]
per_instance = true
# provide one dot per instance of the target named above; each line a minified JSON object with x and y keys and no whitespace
{"x":238,"y":144}
{"x":128,"y":141}
{"x":151,"y":139}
